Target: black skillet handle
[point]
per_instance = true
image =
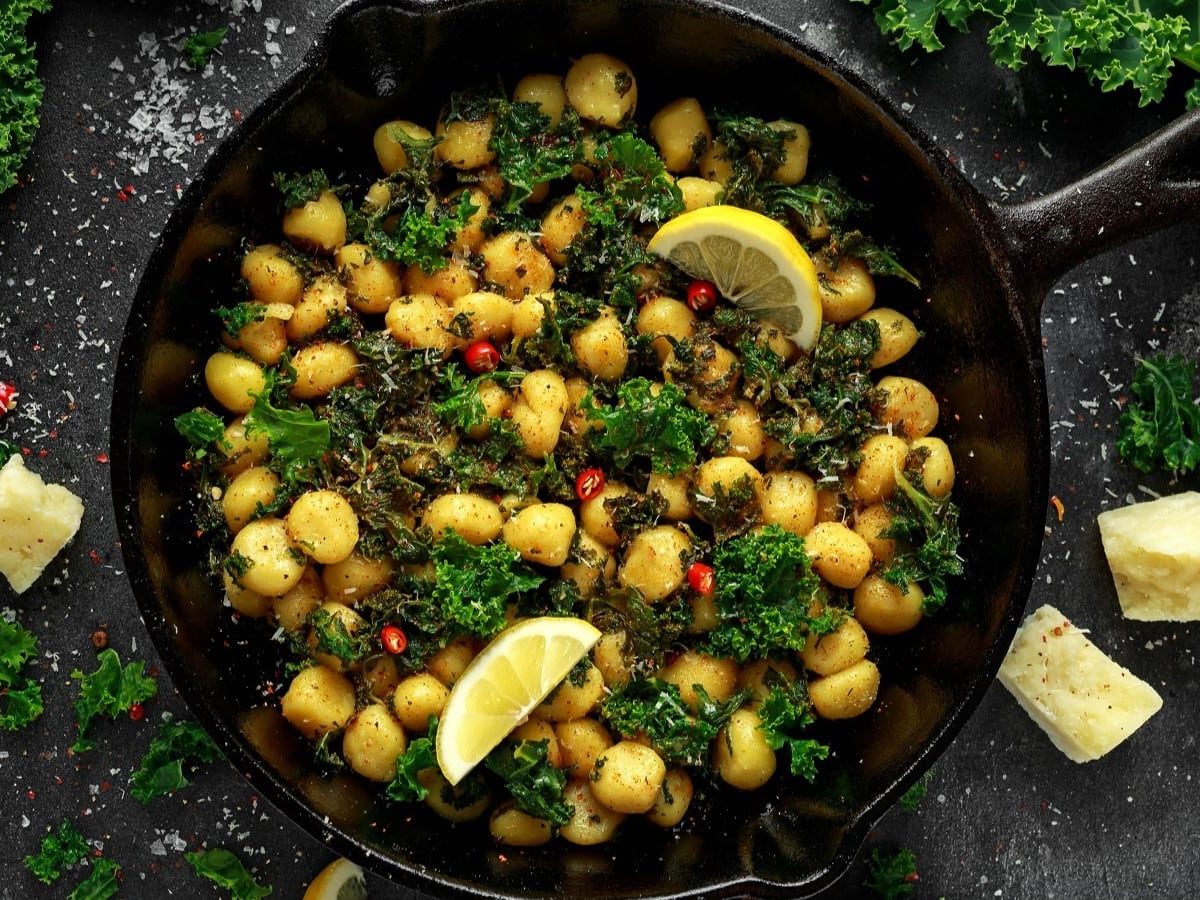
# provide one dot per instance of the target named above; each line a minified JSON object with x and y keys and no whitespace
{"x":1154,"y":184}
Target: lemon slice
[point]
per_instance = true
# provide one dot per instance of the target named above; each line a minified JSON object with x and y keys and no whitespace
{"x":503,"y":684}
{"x":340,"y":880}
{"x":756,"y":264}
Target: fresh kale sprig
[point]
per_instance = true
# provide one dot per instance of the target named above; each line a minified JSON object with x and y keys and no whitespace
{"x":20,"y":695}
{"x":534,"y":783}
{"x":1160,"y":426}
{"x":891,"y":875}
{"x":784,"y":713}
{"x":658,"y":427}
{"x":20,"y":88}
{"x":656,"y":709}
{"x":177,"y":744}
{"x":109,"y":691}
{"x":928,"y":529}
{"x":58,"y":849}
{"x":1115,"y":44}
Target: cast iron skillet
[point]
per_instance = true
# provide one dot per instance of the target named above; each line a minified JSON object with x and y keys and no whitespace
{"x":984,"y":268}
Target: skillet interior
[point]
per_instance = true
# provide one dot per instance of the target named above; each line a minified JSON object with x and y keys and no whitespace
{"x":979,"y":354}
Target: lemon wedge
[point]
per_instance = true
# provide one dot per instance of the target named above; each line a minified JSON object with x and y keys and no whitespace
{"x":340,"y":880}
{"x":756,"y":264}
{"x":502,"y":685}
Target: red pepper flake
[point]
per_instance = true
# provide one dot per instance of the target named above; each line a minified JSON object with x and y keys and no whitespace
{"x":1059,"y":509}
{"x":122,"y":196}
{"x":702,"y":578}
{"x":43,"y":453}
{"x":237,"y":114}
{"x":589,"y":484}
{"x":95,"y":557}
{"x":394,"y":639}
{"x":31,"y":794}
{"x":102,"y":458}
{"x":137,"y":712}
{"x":8,"y":397}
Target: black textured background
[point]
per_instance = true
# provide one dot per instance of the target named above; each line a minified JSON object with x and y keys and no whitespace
{"x":1006,"y":815}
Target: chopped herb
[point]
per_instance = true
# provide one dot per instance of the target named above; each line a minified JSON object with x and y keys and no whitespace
{"x":651,"y":629}
{"x":660,"y":427}
{"x":201,"y":429}
{"x":225,"y":870}
{"x":109,"y":691}
{"x":20,"y":89}
{"x":928,"y":527}
{"x":301,"y":188}
{"x":765,"y":589}
{"x":473,"y":586}
{"x":100,"y":884}
{"x":785,"y":712}
{"x":879,"y":260}
{"x":236,"y":565}
{"x":161,"y":771}
{"x":911,"y":799}
{"x":420,"y":236}
{"x":1160,"y":426}
{"x":632,"y":513}
{"x":199,"y":46}
{"x":891,"y":875}
{"x":656,"y":709}
{"x":534,"y":783}
{"x":420,"y":755}
{"x":635,"y":180}
{"x":20,"y":695}
{"x":473,"y":104}
{"x":59,"y":849}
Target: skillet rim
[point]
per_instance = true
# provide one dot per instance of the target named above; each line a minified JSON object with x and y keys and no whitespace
{"x":991,"y":237}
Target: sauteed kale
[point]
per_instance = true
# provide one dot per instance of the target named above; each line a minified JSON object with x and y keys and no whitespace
{"x":474,"y":396}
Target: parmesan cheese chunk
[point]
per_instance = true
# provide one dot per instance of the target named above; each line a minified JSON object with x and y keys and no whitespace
{"x":1153,"y":550}
{"x":1084,"y":701}
{"x":36,"y":521}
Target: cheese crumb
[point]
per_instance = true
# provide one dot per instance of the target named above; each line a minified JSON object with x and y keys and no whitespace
{"x":1153,"y":550}
{"x":1085,"y":702}
{"x":36,"y":521}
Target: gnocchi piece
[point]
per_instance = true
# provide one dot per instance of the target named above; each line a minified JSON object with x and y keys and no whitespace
{"x":416,"y":699}
{"x":757,"y":677}
{"x":589,"y":566}
{"x":692,"y":670}
{"x":515,"y":828}
{"x":466,"y":144}
{"x":490,"y":315}
{"x":347,"y":619}
{"x":389,"y":149}
{"x":663,"y":317}
{"x":537,"y":730}
{"x":682,"y":133}
{"x":541,"y":533}
{"x":372,"y":742}
{"x":451,"y":661}
{"x":742,"y":757}
{"x":847,"y":291}
{"x":909,"y":407}
{"x":886,"y":608}
{"x":476,"y":519}
{"x":240,"y":450}
{"x":496,"y":404}
{"x":292,"y":609}
{"x":318,"y":701}
{"x":610,"y":658}
{"x":591,"y":822}
{"x":356,"y":577}
{"x":263,"y":341}
{"x":847,"y":693}
{"x":255,"y":487}
{"x":601,"y":89}
{"x":560,"y":226}
{"x":271,"y":562}
{"x":676,"y":490}
{"x":454,"y":803}
{"x":571,"y":701}
{"x":582,"y":741}
{"x":897,"y":335}
{"x":870,"y":524}
{"x":372,"y":283}
{"x":673,"y":800}
{"x":539,"y":411}
{"x":882,"y":456}
{"x":838,"y":555}
{"x":723,"y":476}
{"x":937,"y":469}
{"x":324,"y":525}
{"x":790,"y":501}
{"x":422,"y":321}
{"x":380,"y":676}
{"x":234,"y":381}
{"x":628,"y":777}
{"x":245,"y":601}
{"x":743,"y":428}
{"x":829,"y":653}
{"x":271,"y":277}
{"x":795,"y":152}
{"x":319,"y":225}
{"x":514,"y":263}
{"x":600,"y":347}
{"x":472,"y":235}
{"x":322,"y":302}
{"x":699,"y":192}
{"x":451,"y":281}
{"x":544,"y":91}
{"x":322,"y":366}
{"x":529,"y":313}
{"x":654,"y":562}
{"x":715,"y":164}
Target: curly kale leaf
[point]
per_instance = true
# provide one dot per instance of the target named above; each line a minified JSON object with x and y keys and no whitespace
{"x":420,"y":236}
{"x":529,"y":152}
{"x":656,"y":709}
{"x":660,"y":427}
{"x":224,"y":869}
{"x":1160,"y":427}
{"x":20,"y":695}
{"x":300,"y":188}
{"x":20,"y":89}
{"x":199,"y":46}
{"x":765,"y":591}
{"x":109,"y":691}
{"x":534,"y":783}
{"x":59,"y":849}
{"x":784,"y":713}
{"x":891,"y":875}
{"x":928,"y":528}
{"x":420,"y":755}
{"x":473,"y":586}
{"x":161,"y":771}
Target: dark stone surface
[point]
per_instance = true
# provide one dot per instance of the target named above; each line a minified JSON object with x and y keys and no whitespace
{"x":1006,"y":815}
